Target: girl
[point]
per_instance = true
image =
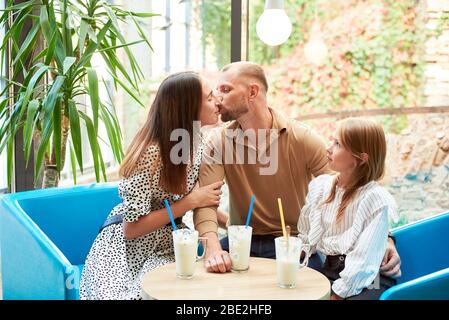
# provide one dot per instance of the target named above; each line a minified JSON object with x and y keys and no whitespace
{"x":137,"y":236}
{"x":345,"y":218}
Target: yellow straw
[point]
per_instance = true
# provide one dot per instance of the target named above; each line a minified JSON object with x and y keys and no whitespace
{"x":281,"y":212}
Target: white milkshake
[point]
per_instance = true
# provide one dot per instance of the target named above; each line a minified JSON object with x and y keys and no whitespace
{"x":185,"y":243}
{"x":287,"y":271}
{"x":287,"y":260}
{"x":239,"y":247}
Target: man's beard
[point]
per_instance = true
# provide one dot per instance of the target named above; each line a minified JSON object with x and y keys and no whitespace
{"x":230,"y":115}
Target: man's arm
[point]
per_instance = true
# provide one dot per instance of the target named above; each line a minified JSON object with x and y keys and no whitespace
{"x":391,"y":264}
{"x":223,"y":218}
{"x":205,"y":219}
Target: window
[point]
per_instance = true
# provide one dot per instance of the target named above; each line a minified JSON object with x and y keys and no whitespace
{"x":188,"y":35}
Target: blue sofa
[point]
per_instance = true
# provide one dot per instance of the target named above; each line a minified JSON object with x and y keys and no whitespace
{"x":424,"y":250}
{"x":45,"y":236}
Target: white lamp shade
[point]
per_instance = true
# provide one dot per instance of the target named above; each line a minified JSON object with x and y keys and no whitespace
{"x":315,"y":51}
{"x":274,"y":27}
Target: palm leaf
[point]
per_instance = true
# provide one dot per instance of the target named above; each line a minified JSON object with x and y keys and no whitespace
{"x":50,"y":31}
{"x":82,"y":36}
{"x":114,"y":137}
{"x":33,"y":106}
{"x":73,"y":163}
{"x":93,"y":94}
{"x":93,"y":143}
{"x":57,"y":134}
{"x":30,"y":86}
{"x":44,"y":144}
{"x":128,"y":90}
{"x":68,"y":62}
{"x":27,"y":45}
{"x":85,"y":58}
{"x":75,"y":132}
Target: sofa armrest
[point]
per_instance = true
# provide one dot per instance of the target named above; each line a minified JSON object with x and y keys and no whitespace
{"x":422,"y":246}
{"x":433,"y":286}
{"x":32,"y":266}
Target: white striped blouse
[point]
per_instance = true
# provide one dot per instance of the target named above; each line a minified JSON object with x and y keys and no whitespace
{"x":361,"y":234}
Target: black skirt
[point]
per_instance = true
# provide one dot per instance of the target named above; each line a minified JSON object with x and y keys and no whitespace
{"x":332,"y":267}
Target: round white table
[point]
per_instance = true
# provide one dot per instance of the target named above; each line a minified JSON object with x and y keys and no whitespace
{"x":258,"y":283}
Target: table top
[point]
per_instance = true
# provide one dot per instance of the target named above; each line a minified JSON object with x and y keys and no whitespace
{"x":258,"y":283}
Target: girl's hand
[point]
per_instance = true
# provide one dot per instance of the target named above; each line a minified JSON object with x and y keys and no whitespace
{"x":336,"y":297}
{"x":206,"y":196}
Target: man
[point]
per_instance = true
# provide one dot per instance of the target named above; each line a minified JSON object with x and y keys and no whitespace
{"x":297,"y":155}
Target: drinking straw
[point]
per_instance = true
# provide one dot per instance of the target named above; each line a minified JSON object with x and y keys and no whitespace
{"x":167,"y":205}
{"x":288,"y":235}
{"x":281,"y":212}
{"x":250,"y":211}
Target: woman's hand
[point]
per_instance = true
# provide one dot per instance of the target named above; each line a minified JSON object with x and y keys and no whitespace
{"x":206,"y":196}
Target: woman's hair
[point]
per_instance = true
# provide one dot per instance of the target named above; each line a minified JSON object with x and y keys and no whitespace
{"x":359,"y":136}
{"x":176,"y":106}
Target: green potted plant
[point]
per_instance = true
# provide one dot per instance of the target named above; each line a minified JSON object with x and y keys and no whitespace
{"x":45,"y":104}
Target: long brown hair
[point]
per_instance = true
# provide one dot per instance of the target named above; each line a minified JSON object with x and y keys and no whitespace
{"x":176,"y":105}
{"x":360,"y":136}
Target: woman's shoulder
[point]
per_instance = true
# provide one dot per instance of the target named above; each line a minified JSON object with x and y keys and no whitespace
{"x":152,"y":149}
{"x":149,"y":159}
{"x":151,"y":152}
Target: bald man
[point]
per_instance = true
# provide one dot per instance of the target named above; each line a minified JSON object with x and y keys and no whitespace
{"x":296,"y":156}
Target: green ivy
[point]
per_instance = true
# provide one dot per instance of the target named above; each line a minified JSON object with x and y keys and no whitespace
{"x":402,"y":221}
{"x":383,"y":70}
{"x":443,"y":22}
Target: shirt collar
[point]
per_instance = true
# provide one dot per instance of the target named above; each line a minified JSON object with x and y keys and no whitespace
{"x":279,"y":122}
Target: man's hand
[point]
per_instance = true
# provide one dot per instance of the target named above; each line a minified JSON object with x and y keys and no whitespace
{"x":391,"y":264}
{"x":218,"y":261}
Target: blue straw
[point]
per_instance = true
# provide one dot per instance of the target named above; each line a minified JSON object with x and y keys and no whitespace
{"x":250,"y":211}
{"x":167,"y":205}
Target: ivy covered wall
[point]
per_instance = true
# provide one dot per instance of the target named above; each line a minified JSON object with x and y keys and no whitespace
{"x":375,"y":59}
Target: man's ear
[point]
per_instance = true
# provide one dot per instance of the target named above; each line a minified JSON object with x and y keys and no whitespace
{"x":254,"y":90}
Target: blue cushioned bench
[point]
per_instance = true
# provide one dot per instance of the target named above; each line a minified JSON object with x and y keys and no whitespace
{"x":424,"y":249}
{"x":45,"y":236}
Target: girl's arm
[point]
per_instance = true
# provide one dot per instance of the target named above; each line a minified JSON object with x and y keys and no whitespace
{"x":157,"y":219}
{"x":199,"y":197}
{"x":363,"y":261}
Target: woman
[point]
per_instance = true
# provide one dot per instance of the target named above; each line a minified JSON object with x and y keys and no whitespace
{"x":137,"y":236}
{"x":345,"y":218}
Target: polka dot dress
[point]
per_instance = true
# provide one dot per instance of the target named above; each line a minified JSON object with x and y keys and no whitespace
{"x":115,"y":266}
